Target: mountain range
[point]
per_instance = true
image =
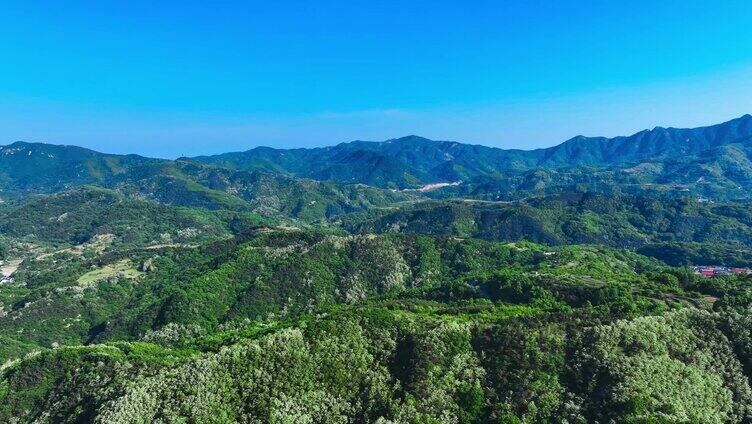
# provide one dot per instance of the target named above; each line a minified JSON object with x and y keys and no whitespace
{"x":412,"y":161}
{"x":405,"y":281}
{"x":713,"y":161}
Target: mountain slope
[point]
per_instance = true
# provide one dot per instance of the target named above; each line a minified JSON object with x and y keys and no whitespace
{"x":405,"y":162}
{"x":720,"y":173}
{"x":268,"y":273}
{"x":669,"y":229}
{"x":34,"y":168}
{"x":707,"y":160}
{"x":292,"y":326}
{"x":77,"y":216}
{"x":648,"y":145}
{"x":31,"y":168}
{"x":148,"y":291}
{"x":413,"y":161}
{"x":192,"y":184}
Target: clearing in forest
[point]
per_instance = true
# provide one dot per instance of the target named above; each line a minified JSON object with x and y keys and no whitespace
{"x":120,"y":269}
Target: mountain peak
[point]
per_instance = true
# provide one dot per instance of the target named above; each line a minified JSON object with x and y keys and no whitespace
{"x":742,"y":120}
{"x":21,"y":143}
{"x":412,"y":138}
{"x":46,"y":146}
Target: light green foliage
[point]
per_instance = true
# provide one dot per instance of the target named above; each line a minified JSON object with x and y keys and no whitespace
{"x":121,"y":269}
{"x":678,"y":367}
{"x":289,"y":326}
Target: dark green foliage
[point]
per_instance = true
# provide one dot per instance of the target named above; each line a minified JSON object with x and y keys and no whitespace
{"x":75,"y":217}
{"x":166,"y":294}
{"x":27,"y":169}
{"x":374,"y":361}
{"x":678,"y":231}
{"x":667,"y":156}
{"x":259,"y":279}
{"x":688,"y":253}
{"x":282,"y":273}
{"x":31,"y":168}
{"x":300,"y":326}
{"x":188,"y":183}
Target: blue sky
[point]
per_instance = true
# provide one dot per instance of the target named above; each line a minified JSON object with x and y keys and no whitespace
{"x":183,"y":78}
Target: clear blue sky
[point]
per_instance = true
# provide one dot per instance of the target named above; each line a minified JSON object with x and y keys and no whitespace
{"x":168,"y":78}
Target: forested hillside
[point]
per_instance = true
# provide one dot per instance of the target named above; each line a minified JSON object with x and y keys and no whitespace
{"x":31,"y":168}
{"x":347,"y":284}
{"x":293,"y":326}
{"x":671,"y":229}
{"x":28,"y":169}
{"x":710,"y":161}
{"x":75,"y":217}
{"x":720,"y":174}
{"x":187,"y":183}
{"x":414,"y":161}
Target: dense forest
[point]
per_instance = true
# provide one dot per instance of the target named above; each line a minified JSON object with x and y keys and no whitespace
{"x":301,"y":326}
{"x":409,"y":281}
{"x":679,"y":231}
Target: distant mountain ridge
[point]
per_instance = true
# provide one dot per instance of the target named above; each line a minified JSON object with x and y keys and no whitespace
{"x":30,"y":168}
{"x":649,"y":145}
{"x":413,"y":161}
{"x":35,"y":168}
{"x":713,"y":161}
